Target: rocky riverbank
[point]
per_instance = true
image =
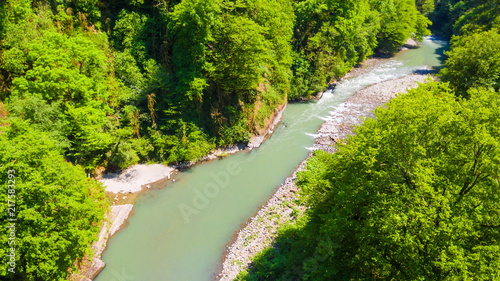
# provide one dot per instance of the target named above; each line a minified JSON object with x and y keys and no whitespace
{"x":282,"y":207}
{"x":89,"y":268}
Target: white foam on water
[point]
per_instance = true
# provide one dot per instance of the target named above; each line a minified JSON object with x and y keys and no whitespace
{"x":324,"y":118}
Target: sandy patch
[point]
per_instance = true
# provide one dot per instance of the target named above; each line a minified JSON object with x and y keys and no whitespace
{"x":133,"y":178}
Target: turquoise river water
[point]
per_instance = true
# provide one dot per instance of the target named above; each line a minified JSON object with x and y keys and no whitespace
{"x":179,"y":233}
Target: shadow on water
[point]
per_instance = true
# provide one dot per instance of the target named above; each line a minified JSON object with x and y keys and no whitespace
{"x":383,"y":55}
{"x":432,"y":71}
{"x":409,"y":46}
{"x":441,"y":51}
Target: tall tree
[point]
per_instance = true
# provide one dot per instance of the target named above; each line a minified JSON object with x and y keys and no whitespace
{"x":474,"y":61}
{"x":58,"y":209}
{"x":191,"y":27}
{"x":400,"y":21}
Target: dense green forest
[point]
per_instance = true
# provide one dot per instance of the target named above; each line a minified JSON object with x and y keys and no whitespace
{"x":88,"y":86}
{"x":414,"y":194}
{"x":58,"y":209}
{"x":114,"y":83}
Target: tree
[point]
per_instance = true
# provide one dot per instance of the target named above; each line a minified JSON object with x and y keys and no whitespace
{"x":90,"y":140}
{"x":483,"y":17}
{"x":330,"y":37}
{"x":130,"y":34}
{"x":413,"y":195}
{"x":400,"y":21}
{"x":63,"y":68}
{"x":58,"y":209}
{"x":473,"y":61}
{"x":459,"y":17}
{"x":425,"y":6}
{"x":191,"y":30}
{"x":240,"y":56}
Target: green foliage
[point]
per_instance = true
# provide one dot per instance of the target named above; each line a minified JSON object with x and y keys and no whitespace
{"x":63,"y":68}
{"x":400,"y":21}
{"x":64,"y":83}
{"x":458,"y":17}
{"x":235,"y":134}
{"x":128,"y":150}
{"x":44,"y":117}
{"x":186,"y":143}
{"x":69,"y":75}
{"x":90,"y":140}
{"x":412,"y":196}
{"x":192,"y":144}
{"x":481,"y":18}
{"x":425,"y":6}
{"x":129,"y":34}
{"x":87,"y":11}
{"x":279,"y":263}
{"x":127,"y":70}
{"x":474,"y":61}
{"x":242,"y":70}
{"x":330,"y":38}
{"x":189,"y":52}
{"x":58,"y":209}
{"x":221,"y":66}
{"x":108,"y":84}
{"x":242,"y":51}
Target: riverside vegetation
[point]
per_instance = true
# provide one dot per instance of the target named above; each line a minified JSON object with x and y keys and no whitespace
{"x":94,"y":85}
{"x":414,"y":194}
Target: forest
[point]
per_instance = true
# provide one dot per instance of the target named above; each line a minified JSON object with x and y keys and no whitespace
{"x":414,"y":193}
{"x":119,"y":82}
{"x":93,"y":86}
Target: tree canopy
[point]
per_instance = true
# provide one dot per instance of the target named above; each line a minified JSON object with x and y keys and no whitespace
{"x":131,"y":81}
{"x":413,"y":195}
{"x":474,"y":61}
{"x":330,"y":37}
{"x":59,"y":210}
{"x":458,"y":17}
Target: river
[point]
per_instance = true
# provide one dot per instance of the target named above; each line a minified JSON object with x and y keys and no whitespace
{"x":179,"y":233}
